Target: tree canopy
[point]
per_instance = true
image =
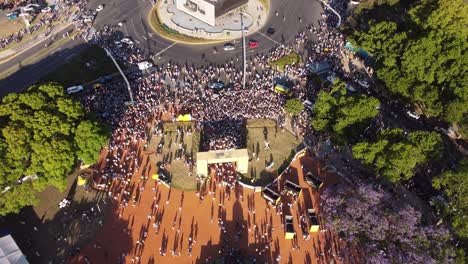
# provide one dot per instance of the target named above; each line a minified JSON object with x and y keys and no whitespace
{"x":342,"y":115}
{"x":43,"y":133}
{"x":293,"y":106}
{"x":386,"y":229}
{"x":421,"y":56}
{"x":396,"y":154}
{"x":455,"y":185}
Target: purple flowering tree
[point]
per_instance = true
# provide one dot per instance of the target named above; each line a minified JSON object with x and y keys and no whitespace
{"x":386,"y":229}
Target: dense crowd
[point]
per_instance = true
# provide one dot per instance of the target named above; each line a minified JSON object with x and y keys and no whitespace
{"x":172,"y":88}
{"x":62,"y":9}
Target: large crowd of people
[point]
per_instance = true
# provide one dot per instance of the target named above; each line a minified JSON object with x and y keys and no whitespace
{"x":221,"y":113}
{"x":62,"y":10}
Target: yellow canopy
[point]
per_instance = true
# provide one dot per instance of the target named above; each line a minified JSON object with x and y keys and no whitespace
{"x":155,"y":176}
{"x":314,"y":228}
{"x":184,"y":118}
{"x":289,"y":235}
{"x":81,"y":181}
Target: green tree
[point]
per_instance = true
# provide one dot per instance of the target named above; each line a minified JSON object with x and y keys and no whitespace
{"x":421,"y":55}
{"x":395,"y":155}
{"x":294,"y":106}
{"x":455,"y":186}
{"x":43,"y":132}
{"x":342,"y":115}
{"x":16,"y":198}
{"x":90,"y":137}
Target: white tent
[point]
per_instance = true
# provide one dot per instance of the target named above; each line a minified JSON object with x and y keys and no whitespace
{"x":10,"y":253}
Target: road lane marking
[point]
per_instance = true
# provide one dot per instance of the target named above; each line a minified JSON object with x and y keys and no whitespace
{"x":170,"y":46}
{"x":269,"y":38}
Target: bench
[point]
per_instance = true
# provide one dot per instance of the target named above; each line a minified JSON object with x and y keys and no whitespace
{"x":292,"y":188}
{"x":313,"y":180}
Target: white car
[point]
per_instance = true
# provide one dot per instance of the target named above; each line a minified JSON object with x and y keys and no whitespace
{"x":99,"y":8}
{"x":144,"y":65}
{"x":350,"y":88}
{"x":46,"y":10}
{"x":229,"y":46}
{"x":75,"y":89}
{"x":308,"y":104}
{"x":30,"y":8}
{"x":363,"y":83}
{"x":127,"y":41}
{"x":332,"y":77}
{"x":413,"y":115}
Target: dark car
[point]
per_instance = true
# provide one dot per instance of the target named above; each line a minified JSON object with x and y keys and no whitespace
{"x":270,"y":31}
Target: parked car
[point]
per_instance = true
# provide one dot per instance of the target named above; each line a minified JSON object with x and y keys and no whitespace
{"x":216,"y":85}
{"x":413,"y":115}
{"x":270,"y":31}
{"x":308,"y":104}
{"x":75,"y":89}
{"x":99,"y":8}
{"x":46,"y":10}
{"x":332,"y":77}
{"x":13,"y":15}
{"x":127,"y":41}
{"x":349,"y":87}
{"x":363,"y":83}
{"x":144,"y":65}
{"x":253,"y":43}
{"x":229,"y":46}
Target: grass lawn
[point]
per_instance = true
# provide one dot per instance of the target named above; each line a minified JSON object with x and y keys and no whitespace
{"x":180,"y":178}
{"x":287,"y":59}
{"x":281,"y":142}
{"x":85,"y":67}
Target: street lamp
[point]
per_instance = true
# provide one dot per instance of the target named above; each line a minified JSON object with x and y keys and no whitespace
{"x":122,"y":73}
{"x":243,"y":50}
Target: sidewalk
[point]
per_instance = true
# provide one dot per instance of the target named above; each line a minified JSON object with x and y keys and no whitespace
{"x":9,"y":54}
{"x":59,"y":25}
{"x":165,"y":16}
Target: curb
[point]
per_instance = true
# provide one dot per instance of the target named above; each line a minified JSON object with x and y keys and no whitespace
{"x":164,"y":36}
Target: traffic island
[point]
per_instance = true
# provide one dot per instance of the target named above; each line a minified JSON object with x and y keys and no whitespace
{"x":182,"y":22}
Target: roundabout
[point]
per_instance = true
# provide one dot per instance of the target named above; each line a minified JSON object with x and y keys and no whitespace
{"x":178,"y":24}
{"x":134,"y":17}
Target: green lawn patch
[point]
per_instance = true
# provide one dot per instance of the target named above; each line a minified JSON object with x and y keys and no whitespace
{"x":282,"y":144}
{"x":287,"y":59}
{"x":85,"y":67}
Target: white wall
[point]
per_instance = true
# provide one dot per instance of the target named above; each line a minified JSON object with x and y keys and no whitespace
{"x":208,"y":17}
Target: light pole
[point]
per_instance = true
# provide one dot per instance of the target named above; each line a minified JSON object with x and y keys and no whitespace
{"x":243,"y":50}
{"x":334,"y":11}
{"x":121,"y":72}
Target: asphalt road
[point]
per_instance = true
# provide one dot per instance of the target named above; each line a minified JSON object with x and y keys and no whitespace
{"x":29,"y":74}
{"x":135,"y":14}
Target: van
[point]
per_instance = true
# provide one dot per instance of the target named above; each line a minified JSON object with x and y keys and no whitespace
{"x":75,"y":89}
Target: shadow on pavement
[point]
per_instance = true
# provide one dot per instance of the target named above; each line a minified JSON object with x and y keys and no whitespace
{"x":29,"y":74}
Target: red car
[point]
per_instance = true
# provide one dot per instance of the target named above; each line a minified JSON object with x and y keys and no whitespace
{"x":253,"y":44}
